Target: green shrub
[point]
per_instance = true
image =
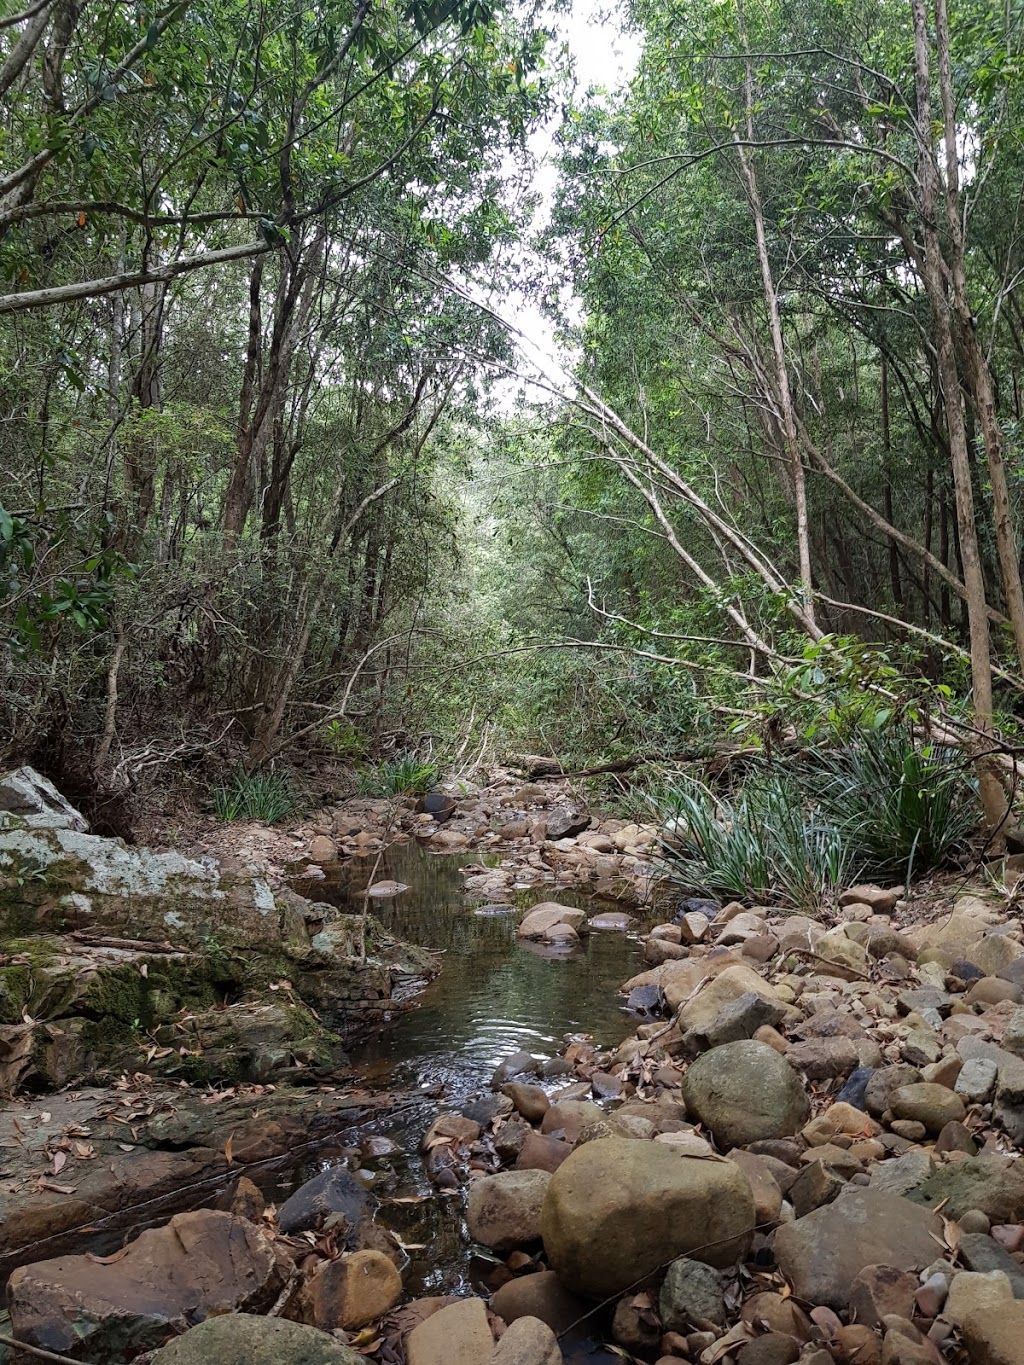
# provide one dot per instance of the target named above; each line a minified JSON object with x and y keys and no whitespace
{"x":405,"y":776}
{"x":881,"y":807}
{"x":766,"y":844}
{"x":906,"y":809}
{"x":253,"y":796}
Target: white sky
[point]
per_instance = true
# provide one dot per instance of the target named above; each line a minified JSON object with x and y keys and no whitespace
{"x":603,"y":56}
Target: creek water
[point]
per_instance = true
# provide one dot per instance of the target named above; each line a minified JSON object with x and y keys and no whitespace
{"x":493,"y":996}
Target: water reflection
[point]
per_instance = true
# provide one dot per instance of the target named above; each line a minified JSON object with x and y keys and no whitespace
{"x":493,"y":996}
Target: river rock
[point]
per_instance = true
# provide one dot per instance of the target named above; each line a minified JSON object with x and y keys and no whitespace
{"x":763,"y":1184}
{"x":456,"y":1335}
{"x":744,"y":1092}
{"x":546,"y":919}
{"x":334,"y":1191}
{"x":503,"y":1211}
{"x":884,"y":1082}
{"x":730,"y":980}
{"x":353,"y":1290}
{"x":992,"y":1184}
{"x":565,"y":822}
{"x":197,"y":1266}
{"x":527,"y":1341}
{"x":880,"y":1290}
{"x":529,"y":1100}
{"x":518,"y":1064}
{"x":996,"y":1338}
{"x":691,"y":1294}
{"x":542,"y":1152}
{"x":822,"y":1254}
{"x":927,"y":1103}
{"x":570,"y":1117}
{"x":977,"y":1292}
{"x":541,"y":1295}
{"x":241,"y":1338}
{"x":618,"y":1209}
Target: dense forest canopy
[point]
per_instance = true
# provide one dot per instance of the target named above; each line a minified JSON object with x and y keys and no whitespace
{"x":267,"y":490}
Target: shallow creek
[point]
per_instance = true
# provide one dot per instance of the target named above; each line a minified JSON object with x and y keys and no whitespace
{"x":493,"y":996}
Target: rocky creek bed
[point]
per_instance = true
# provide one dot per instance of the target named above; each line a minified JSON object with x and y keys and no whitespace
{"x":766,"y":1138}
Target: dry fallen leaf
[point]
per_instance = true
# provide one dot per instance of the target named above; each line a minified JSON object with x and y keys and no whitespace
{"x":229,"y":1148}
{"x":60,"y":1160}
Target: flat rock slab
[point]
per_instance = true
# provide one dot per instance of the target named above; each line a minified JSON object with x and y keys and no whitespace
{"x":175,"y":1143}
{"x":823,"y":1253}
{"x":200,"y":1265}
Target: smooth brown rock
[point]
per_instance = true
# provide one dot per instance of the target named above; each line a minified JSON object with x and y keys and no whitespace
{"x":198,"y":1265}
{"x":529,"y":1100}
{"x":882,"y":1289}
{"x":857,"y":1344}
{"x":541,"y":1152}
{"x":996,"y":1338}
{"x":354,"y":1290}
{"x":570,"y":1117}
{"x":778,"y":1314}
{"x":617,"y":1209}
{"x":527,"y":1341}
{"x":456,"y":1335}
{"x":927,"y":1103}
{"x":503,"y":1211}
{"x":539,"y":1296}
{"x":839,"y":1120}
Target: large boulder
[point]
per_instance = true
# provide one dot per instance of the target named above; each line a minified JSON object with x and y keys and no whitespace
{"x":617,"y":1209}
{"x":241,"y":1338}
{"x":36,"y":802}
{"x":503,"y":1211}
{"x":199,"y":1265}
{"x":745,"y":1092}
{"x":824,"y":1252}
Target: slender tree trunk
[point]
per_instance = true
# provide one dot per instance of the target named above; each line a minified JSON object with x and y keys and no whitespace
{"x":976,"y":363}
{"x":894,"y":561}
{"x":992,"y":795}
{"x":787,"y":414}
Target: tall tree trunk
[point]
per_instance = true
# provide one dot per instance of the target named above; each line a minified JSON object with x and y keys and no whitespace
{"x":787,"y":413}
{"x":979,"y":374}
{"x":992,"y":795}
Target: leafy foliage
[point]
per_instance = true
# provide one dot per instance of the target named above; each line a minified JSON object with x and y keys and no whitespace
{"x":766,"y":844}
{"x":906,"y":808}
{"x":405,"y":776}
{"x":266,"y":797}
{"x":882,"y":807}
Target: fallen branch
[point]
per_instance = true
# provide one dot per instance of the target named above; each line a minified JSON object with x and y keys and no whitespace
{"x":109,"y":941}
{"x":37,"y":1351}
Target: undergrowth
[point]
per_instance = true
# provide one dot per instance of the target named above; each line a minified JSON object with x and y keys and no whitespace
{"x":405,"y":776}
{"x":881,"y":807}
{"x":253,"y":796}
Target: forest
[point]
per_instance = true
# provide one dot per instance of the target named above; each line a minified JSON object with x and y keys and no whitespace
{"x":286,"y":486}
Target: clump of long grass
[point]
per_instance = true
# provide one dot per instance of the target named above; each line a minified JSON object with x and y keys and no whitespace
{"x":907,"y":808}
{"x":405,"y":776}
{"x":883,"y":807}
{"x":764,"y":844}
{"x":253,"y":796}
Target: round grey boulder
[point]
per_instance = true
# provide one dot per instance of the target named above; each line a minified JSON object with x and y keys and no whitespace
{"x":745,"y":1092}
